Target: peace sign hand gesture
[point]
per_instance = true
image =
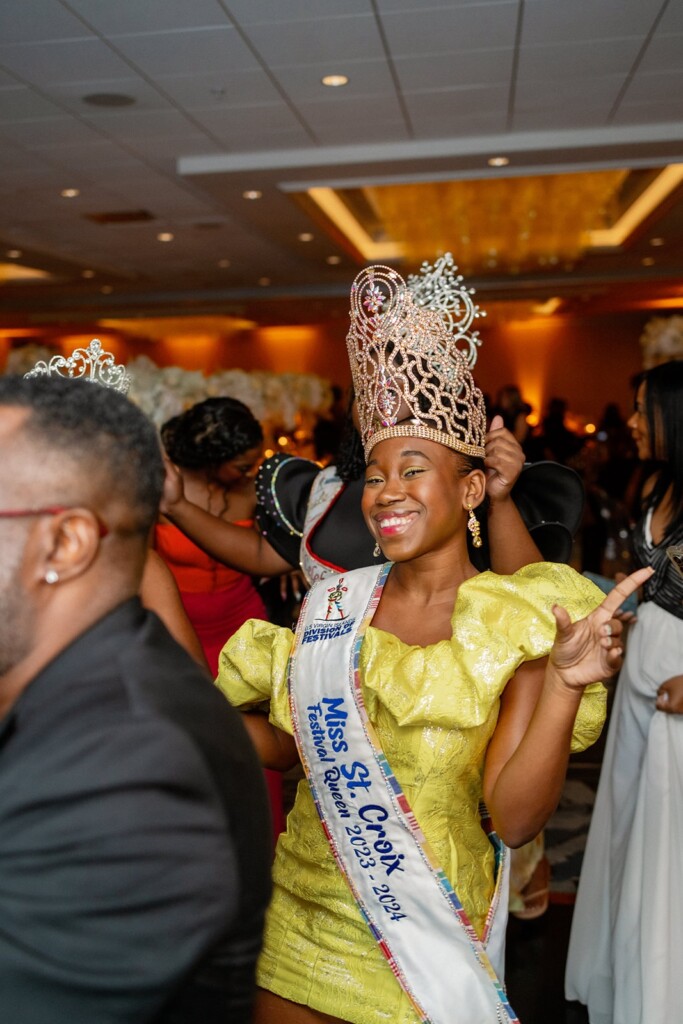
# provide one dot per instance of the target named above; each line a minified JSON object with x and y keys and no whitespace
{"x":590,"y":650}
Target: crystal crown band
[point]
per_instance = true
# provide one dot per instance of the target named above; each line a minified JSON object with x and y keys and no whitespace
{"x":409,"y":377}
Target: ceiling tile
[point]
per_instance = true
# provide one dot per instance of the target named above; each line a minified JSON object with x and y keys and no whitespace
{"x":232,"y":121}
{"x":219,"y":89}
{"x":449,"y":70}
{"x":657,"y":87}
{"x":462,"y":123}
{"x":479,"y":99}
{"x":572,"y":60}
{"x":248,"y":12}
{"x":48,"y":132}
{"x":130,"y":124}
{"x":663,"y":53}
{"x":37,"y":21}
{"x":328,"y":39}
{"x":452,"y":29}
{"x":425,"y":7}
{"x":365,"y":112}
{"x":302,"y":82}
{"x":596,"y":94}
{"x":22,"y":104}
{"x":69,"y":61}
{"x":586,"y":20}
{"x":182,"y":53}
{"x":112,"y":17}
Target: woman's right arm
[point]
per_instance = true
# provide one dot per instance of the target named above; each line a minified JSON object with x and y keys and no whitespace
{"x":240,"y":548}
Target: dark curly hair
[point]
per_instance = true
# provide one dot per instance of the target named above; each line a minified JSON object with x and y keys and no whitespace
{"x":210,"y":433}
{"x":105,"y":438}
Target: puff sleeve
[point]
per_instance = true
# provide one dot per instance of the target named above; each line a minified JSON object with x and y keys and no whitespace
{"x":252,"y":670}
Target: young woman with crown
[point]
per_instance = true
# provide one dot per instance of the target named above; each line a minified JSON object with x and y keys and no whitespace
{"x":415,"y":691}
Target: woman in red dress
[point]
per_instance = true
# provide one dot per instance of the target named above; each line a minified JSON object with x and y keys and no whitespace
{"x":217,"y":446}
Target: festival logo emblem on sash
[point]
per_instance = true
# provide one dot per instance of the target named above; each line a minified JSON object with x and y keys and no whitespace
{"x":336,"y":623}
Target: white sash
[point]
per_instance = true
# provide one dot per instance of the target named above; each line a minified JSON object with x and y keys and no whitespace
{"x":410,"y":906}
{"x":325,"y":489}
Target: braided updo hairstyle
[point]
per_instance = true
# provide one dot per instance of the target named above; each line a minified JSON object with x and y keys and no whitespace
{"x":210,"y":433}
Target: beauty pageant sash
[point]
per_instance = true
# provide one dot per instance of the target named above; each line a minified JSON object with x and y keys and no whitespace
{"x":325,"y":490}
{"x":410,"y":906}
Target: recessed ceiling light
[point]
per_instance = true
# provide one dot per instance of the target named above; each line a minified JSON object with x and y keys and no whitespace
{"x":69,"y":193}
{"x":87,"y":273}
{"x":333,"y":260}
{"x":108,"y":99}
{"x":648,"y":261}
{"x":334,"y":81}
{"x":264,"y":281}
{"x":14,"y":254}
{"x":656,"y":241}
{"x":498,"y":161}
{"x":165,"y":236}
{"x":252,"y":193}
{"x":305,"y":236}
{"x":224,"y":263}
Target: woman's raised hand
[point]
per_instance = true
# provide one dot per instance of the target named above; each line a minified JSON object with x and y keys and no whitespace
{"x":173,"y":491}
{"x":590,"y":650}
{"x":504,"y":460}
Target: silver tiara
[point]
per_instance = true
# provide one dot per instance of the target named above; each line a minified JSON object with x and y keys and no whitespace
{"x":440,"y":288}
{"x":92,"y":364}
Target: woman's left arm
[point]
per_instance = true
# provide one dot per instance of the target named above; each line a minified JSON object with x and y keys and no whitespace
{"x":510,"y":543}
{"x":527,"y":757}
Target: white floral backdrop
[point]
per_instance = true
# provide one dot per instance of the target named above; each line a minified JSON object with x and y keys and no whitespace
{"x":280,"y":400}
{"x":662,"y":340}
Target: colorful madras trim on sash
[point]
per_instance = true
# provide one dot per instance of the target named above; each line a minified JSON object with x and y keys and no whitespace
{"x":411,"y":908}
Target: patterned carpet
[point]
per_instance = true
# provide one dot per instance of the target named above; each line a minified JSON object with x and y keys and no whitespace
{"x":566,"y":832}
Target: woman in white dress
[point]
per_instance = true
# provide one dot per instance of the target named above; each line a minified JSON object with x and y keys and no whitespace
{"x":627,"y":932}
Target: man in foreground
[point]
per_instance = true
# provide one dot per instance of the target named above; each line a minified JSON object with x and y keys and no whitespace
{"x":134,"y":835}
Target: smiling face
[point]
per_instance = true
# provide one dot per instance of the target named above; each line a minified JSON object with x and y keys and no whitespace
{"x":415,"y":497}
{"x":639,"y":425}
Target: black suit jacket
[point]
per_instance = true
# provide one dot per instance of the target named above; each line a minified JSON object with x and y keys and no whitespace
{"x":134,"y":838}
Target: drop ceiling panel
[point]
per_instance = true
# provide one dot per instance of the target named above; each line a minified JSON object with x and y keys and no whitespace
{"x":302,"y":82}
{"x":22,"y":104}
{"x":664,"y":53}
{"x":248,"y":12}
{"x":461,"y":121}
{"x":559,"y":60}
{"x":253,"y":141}
{"x":447,"y":70}
{"x":585,"y":20}
{"x":230,"y":122}
{"x":427,"y":6}
{"x":219,"y":89}
{"x":483,"y":99}
{"x":39,"y":20}
{"x":348,"y":131}
{"x":596,"y":94}
{"x":68,"y":61}
{"x":47,"y":132}
{"x":451,"y":29}
{"x":130,"y":124}
{"x":113,"y":17}
{"x":178,"y":53}
{"x":326,"y":39}
{"x":672,"y":19}
{"x":658,"y":87}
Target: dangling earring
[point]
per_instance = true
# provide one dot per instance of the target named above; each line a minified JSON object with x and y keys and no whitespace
{"x":473,"y":526}
{"x":376,"y":552}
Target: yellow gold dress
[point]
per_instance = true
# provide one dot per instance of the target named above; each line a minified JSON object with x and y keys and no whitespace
{"x":434,"y":709}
